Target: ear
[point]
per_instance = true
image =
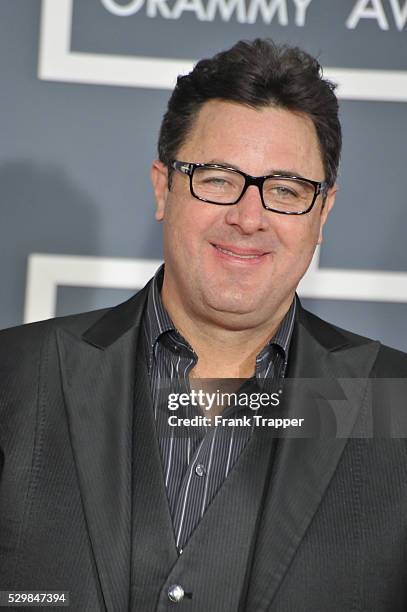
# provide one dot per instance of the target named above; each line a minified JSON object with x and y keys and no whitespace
{"x":329,"y":202}
{"x":159,"y":180}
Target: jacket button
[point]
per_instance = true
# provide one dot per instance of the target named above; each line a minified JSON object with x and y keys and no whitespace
{"x":176,"y":593}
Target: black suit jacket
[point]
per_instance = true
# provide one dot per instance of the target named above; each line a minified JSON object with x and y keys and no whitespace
{"x":333,"y":531}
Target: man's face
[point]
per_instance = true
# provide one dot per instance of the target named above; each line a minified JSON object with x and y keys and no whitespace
{"x":229,"y":289}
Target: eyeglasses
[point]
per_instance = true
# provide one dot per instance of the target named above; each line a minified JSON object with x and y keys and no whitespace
{"x":283,"y":194}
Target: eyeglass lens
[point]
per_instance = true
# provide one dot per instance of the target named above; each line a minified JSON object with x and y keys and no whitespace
{"x":225,"y":187}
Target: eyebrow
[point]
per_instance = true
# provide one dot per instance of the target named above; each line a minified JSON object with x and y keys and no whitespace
{"x":282,"y":171}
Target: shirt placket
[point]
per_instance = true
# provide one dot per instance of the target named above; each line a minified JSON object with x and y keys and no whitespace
{"x":195,"y":488}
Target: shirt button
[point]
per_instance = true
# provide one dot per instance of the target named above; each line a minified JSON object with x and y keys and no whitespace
{"x":176,"y":593}
{"x":200,"y":470}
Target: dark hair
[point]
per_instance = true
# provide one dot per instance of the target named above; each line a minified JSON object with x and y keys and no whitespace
{"x":256,"y":74}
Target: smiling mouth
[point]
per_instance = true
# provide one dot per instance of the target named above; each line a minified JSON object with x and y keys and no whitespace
{"x":241,"y":255}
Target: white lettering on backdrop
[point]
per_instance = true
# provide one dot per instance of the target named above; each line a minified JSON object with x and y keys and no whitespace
{"x":245,"y":11}
{"x":268,"y":11}
{"x":374,"y":9}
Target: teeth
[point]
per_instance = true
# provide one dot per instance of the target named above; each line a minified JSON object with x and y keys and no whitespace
{"x":236,"y":255}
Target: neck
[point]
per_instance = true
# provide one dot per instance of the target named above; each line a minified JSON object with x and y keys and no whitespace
{"x":223,"y":352}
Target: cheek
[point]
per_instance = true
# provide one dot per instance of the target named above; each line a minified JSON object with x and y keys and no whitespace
{"x":185,"y":227}
{"x":299,"y":236}
{"x":287,"y":228}
{"x":200,"y":222}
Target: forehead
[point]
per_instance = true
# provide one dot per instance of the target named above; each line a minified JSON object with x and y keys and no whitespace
{"x":255,"y":140}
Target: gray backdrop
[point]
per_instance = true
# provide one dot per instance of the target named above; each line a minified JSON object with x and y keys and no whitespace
{"x":75,"y":156}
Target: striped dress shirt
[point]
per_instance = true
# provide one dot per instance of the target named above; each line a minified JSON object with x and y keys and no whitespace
{"x":196,"y":460}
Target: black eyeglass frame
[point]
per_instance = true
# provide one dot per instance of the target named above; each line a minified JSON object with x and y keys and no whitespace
{"x":320,"y":187}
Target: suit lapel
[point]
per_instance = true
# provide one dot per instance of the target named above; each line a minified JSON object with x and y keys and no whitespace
{"x":98,"y":373}
{"x":304,"y":466}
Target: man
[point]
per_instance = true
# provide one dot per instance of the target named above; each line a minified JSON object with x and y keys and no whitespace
{"x":103,"y":497}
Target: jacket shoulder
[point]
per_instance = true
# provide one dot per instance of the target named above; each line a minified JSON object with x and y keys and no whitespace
{"x":24,"y":348}
{"x":111,"y":321}
{"x":328,"y":333}
{"x":390,"y":362}
{"x":32,"y":333}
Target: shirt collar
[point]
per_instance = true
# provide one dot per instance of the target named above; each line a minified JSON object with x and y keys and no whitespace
{"x":158,"y":322}
{"x":157,"y":318}
{"x":282,"y":337}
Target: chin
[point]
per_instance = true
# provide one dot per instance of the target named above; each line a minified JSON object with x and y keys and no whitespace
{"x":232,"y":304}
{"x":235,"y":319}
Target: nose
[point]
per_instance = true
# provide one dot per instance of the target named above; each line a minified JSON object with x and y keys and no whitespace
{"x":248,"y":215}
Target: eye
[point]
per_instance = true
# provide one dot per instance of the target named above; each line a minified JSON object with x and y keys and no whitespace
{"x":215,"y":180}
{"x":219,"y":181}
{"x":282,"y":191}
